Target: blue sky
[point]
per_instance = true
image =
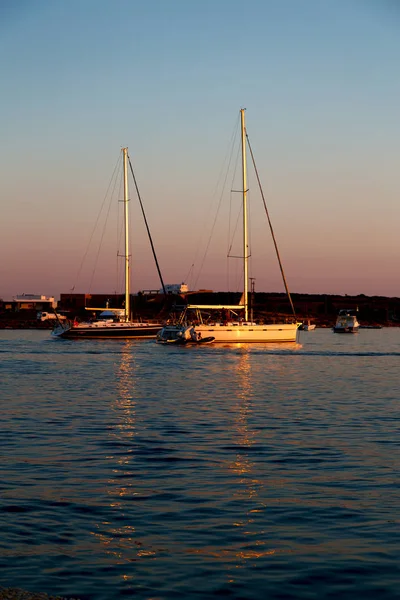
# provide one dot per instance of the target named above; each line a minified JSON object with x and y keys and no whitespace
{"x":319,"y":79}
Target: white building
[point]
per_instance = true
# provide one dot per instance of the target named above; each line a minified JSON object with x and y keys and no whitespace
{"x":176,"y":288}
{"x":33,"y":301}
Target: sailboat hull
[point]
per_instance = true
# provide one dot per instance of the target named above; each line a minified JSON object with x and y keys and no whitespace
{"x":235,"y":333}
{"x":116,"y":330}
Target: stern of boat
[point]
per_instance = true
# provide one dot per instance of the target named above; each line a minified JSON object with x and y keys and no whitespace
{"x":61,"y":329}
{"x":170,"y":334}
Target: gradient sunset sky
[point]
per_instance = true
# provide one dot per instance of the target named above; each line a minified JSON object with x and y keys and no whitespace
{"x":320,"y":82}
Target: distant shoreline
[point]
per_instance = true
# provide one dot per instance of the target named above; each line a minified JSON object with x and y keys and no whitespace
{"x":320,"y":309}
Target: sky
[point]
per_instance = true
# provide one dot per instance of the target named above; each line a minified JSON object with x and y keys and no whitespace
{"x":319,"y":80}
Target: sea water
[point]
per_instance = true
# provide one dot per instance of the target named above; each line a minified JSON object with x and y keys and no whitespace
{"x":244,"y":471}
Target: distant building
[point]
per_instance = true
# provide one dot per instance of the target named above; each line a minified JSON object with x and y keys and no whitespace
{"x":176,"y":288}
{"x":72,"y":302}
{"x":31,"y":302}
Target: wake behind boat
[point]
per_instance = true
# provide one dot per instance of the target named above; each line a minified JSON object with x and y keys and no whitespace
{"x":116,"y":323}
{"x":231,"y":323}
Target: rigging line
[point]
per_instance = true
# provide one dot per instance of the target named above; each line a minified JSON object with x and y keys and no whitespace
{"x":231,"y":234}
{"x":188,"y":275}
{"x":119,"y":271}
{"x":250,"y":222}
{"x":232,"y":145}
{"x":102,"y":237}
{"x":229,"y":255}
{"x":148,"y":229}
{"x":227,"y":159}
{"x":271,"y":229}
{"x":95,"y":226}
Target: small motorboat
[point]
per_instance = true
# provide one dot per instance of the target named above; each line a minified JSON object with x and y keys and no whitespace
{"x":307,"y":326}
{"x":184,"y":335}
{"x":346,"y":321}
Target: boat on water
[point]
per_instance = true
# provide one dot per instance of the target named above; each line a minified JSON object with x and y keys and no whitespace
{"x":346,"y":321}
{"x":187,"y":335}
{"x":307,"y":326}
{"x":112,"y":323}
{"x":230,"y":324}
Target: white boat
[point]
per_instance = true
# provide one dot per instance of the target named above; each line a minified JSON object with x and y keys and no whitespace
{"x":227,"y":324}
{"x":112,"y":323}
{"x":346,"y":321}
{"x":307,"y":326}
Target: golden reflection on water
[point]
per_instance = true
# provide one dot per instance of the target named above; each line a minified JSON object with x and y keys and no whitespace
{"x":120,"y":542}
{"x":254,"y":544}
{"x":252,"y":547}
{"x":125,"y":412}
{"x":125,"y":404}
{"x":244,"y":436}
{"x":271,"y":347}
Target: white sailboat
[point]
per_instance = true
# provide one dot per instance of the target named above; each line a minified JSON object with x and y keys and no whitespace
{"x":231,"y":323}
{"x":113,"y":323}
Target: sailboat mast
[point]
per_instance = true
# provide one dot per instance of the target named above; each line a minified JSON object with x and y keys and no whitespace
{"x":245,"y":233}
{"x":126,"y":233}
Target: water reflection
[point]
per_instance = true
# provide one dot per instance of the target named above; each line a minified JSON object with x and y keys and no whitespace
{"x":119,"y":542}
{"x":125,"y":404}
{"x":243,"y":540}
{"x":247,"y":490}
{"x":281,"y":348}
{"x":244,"y":436}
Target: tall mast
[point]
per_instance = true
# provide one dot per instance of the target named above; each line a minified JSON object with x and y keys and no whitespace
{"x":245,"y":235}
{"x":126,"y":233}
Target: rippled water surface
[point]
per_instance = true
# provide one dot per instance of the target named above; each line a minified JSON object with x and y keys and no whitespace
{"x":133,"y":469}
